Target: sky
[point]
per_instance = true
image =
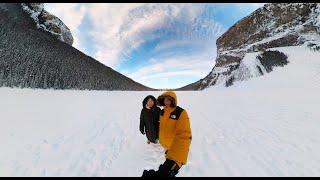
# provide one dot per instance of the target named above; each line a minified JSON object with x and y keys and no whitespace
{"x":158,"y":45}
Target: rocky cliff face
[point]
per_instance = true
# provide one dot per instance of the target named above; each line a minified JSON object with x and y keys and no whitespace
{"x":48,"y":22}
{"x":32,"y":58}
{"x":274,"y":25}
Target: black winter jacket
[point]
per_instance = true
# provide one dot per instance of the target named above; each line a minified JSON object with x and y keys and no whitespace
{"x":149,"y":120}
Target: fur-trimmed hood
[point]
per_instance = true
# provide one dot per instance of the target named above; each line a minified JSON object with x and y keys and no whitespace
{"x":144,"y":102}
{"x":171,"y":96}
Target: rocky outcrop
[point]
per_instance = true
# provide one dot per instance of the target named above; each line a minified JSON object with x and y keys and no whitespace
{"x":48,"y":22}
{"x":273,"y":25}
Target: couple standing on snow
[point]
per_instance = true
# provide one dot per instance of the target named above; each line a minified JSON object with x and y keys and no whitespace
{"x":171,"y":126}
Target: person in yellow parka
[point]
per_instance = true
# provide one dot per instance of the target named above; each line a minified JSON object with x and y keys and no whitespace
{"x":175,"y":136}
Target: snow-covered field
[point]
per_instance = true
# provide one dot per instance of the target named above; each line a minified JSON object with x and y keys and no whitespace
{"x":266,"y":126}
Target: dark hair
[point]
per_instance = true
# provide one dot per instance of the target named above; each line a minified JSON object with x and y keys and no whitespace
{"x":144,"y":102}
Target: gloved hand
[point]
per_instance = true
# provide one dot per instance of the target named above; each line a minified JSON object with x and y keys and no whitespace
{"x":163,"y":171}
{"x":149,"y":173}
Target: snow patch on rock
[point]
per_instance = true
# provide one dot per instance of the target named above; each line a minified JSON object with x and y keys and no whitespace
{"x":48,"y":22}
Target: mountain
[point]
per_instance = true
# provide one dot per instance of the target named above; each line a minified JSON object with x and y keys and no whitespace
{"x":48,"y":22}
{"x":244,"y":50}
{"x":36,"y":52}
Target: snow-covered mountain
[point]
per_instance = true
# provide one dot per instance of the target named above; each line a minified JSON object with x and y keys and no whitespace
{"x":48,"y":22}
{"x":35,"y":52}
{"x":243,"y":51}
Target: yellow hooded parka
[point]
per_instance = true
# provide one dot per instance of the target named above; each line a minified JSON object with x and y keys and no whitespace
{"x":175,"y":131}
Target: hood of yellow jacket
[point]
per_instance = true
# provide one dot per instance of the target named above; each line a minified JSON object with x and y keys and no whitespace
{"x":171,"y":96}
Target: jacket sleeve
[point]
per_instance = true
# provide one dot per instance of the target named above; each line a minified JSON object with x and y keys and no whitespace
{"x":179,"y":149}
{"x":142,"y":123}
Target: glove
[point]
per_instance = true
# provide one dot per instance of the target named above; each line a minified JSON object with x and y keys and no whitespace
{"x":163,"y":171}
{"x":149,"y":173}
{"x":166,"y":172}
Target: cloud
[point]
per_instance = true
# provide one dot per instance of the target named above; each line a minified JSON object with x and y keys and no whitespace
{"x":257,"y":5}
{"x":118,"y":29}
{"x":173,"y":68}
{"x":250,"y":7}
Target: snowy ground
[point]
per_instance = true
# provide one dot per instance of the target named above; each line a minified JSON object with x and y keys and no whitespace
{"x":266,"y":126}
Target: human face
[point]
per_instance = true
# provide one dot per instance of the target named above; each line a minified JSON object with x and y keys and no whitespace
{"x":150,"y":102}
{"x":167,"y":102}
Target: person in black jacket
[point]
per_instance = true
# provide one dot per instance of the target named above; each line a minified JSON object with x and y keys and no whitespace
{"x":149,"y":119}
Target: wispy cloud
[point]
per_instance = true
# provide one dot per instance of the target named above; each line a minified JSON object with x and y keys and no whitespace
{"x":122,"y":28}
{"x":118,"y":28}
{"x":170,"y":70}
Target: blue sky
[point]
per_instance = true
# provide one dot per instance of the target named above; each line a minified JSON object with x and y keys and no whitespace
{"x":158,"y":45}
